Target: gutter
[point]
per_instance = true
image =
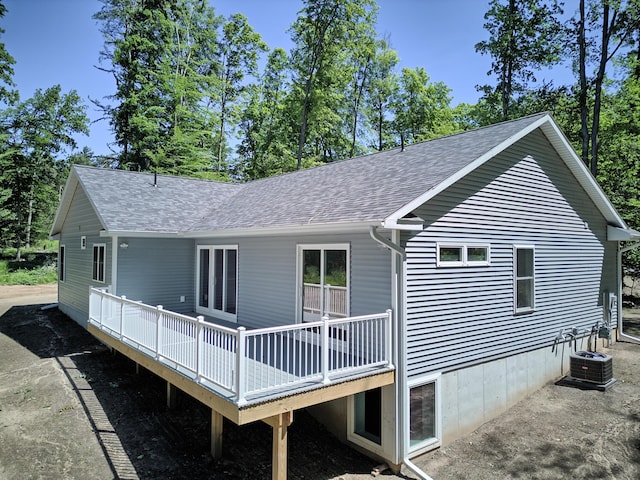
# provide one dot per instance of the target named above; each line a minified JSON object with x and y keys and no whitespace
{"x":402,"y":405}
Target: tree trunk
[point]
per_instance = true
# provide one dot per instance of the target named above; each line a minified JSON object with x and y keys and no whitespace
{"x":29,"y":220}
{"x":302,"y":138}
{"x":597,"y":101}
{"x":582,"y":97}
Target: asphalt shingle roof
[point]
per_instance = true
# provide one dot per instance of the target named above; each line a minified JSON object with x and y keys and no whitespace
{"x":366,"y":188}
{"x":129,"y":201}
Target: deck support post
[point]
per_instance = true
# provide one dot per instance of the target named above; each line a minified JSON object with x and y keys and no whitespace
{"x":172,"y":396}
{"x":216,"y":434}
{"x":280,"y":424}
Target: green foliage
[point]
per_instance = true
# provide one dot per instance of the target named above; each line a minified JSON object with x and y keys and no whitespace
{"x":421,"y":108}
{"x":525,"y":35}
{"x":39,"y":133}
{"x":36,"y":268}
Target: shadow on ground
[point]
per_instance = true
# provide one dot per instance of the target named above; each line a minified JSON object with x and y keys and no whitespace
{"x":157,"y":442}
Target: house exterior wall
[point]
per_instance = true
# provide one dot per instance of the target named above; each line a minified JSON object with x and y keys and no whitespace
{"x":461,"y":321}
{"x":267,"y":275}
{"x":73,"y":292}
{"x":158,"y":271}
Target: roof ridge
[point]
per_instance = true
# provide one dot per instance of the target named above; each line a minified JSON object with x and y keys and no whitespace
{"x":163,"y":175}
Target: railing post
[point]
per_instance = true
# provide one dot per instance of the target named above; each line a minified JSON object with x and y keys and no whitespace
{"x":101,"y":309}
{"x":387,"y":339}
{"x":240,"y":365}
{"x":121,"y":316}
{"x":199,"y":329}
{"x":158,"y":331}
{"x":324,"y":349}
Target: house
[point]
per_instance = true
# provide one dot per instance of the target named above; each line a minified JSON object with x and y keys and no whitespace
{"x":482,"y":246}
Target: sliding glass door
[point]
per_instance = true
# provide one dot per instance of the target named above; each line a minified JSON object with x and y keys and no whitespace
{"x":324,"y":277}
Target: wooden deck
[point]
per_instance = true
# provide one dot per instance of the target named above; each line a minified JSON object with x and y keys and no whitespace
{"x":249,"y":375}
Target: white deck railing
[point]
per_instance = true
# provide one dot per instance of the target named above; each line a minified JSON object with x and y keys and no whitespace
{"x":248,"y":362}
{"x":333,"y":302}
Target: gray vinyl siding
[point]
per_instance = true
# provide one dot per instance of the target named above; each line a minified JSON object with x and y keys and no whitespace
{"x":158,"y":272}
{"x":267,"y":276}
{"x":459,"y":316}
{"x":73,"y":292}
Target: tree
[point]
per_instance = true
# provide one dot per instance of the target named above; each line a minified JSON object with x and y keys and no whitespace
{"x":421,"y":108}
{"x":7,"y":95}
{"x":324,"y":34}
{"x":525,"y":35}
{"x":239,"y":49}
{"x":380,"y":90}
{"x":162,"y":55}
{"x":265,"y":148}
{"x":39,"y":130}
{"x":601,"y":31}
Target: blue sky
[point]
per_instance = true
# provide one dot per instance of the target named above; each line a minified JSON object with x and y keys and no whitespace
{"x":57,"y":42}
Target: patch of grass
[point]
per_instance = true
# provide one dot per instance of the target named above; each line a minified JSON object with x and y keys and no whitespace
{"x":37,"y":267}
{"x":21,"y":276}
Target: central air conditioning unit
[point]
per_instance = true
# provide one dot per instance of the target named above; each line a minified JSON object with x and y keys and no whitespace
{"x":591,"y":367}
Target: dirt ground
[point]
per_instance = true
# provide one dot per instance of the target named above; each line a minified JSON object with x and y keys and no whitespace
{"x":70,"y":409}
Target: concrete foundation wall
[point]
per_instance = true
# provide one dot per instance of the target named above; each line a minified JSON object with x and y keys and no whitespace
{"x":475,"y":395}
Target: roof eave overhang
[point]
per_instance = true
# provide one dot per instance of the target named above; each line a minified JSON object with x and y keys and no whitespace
{"x":315,"y":228}
{"x":138,"y":234}
{"x":406,"y":224}
{"x":73,"y":181}
{"x":617,"y":234}
{"x":561,"y":145}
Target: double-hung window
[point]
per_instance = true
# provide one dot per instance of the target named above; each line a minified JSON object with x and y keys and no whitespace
{"x":524,"y":281}
{"x":217,"y":281}
{"x":99,"y":258}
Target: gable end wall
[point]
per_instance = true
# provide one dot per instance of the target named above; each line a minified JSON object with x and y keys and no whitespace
{"x":73,"y":293}
{"x":463,"y":316}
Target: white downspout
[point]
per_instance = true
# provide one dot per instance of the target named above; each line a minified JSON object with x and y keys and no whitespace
{"x":402,"y":412}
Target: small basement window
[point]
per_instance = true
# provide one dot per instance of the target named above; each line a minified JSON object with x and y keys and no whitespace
{"x":425,"y":431}
{"x":462,"y":255}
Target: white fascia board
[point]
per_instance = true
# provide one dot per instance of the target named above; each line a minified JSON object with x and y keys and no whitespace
{"x":582,"y":173}
{"x":328,"y":228}
{"x":404,"y":224}
{"x":429,"y":194}
{"x":63,"y":207}
{"x":73,"y":182}
{"x":616,"y":234}
{"x":134,"y":234}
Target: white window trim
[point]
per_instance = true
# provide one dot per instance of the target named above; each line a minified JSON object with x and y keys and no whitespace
{"x":465,"y":262}
{"x":430,"y":443}
{"x":104,"y":262}
{"x":515,"y":279}
{"x":359,"y":440}
{"x":62,"y":265}
{"x":232,"y":317}
{"x":299,"y":274}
